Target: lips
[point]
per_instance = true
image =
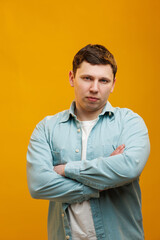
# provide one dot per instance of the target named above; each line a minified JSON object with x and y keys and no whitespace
{"x":92,"y":99}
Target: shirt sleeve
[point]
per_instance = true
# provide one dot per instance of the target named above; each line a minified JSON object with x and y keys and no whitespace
{"x":43,"y":181}
{"x":113,"y":171}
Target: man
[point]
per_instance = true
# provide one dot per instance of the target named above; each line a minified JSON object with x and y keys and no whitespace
{"x":87,"y":160}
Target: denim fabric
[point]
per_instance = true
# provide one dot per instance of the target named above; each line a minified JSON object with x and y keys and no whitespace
{"x":58,"y":140}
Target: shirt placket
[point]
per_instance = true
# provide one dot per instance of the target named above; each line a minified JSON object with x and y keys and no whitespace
{"x":94,"y":203}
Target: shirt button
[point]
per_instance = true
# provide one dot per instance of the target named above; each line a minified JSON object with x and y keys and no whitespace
{"x":77,"y":150}
{"x":62,"y":214}
{"x":67,"y":237}
{"x":78,"y":130}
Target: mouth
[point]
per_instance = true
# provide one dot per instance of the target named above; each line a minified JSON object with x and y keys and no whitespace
{"x":92,"y":99}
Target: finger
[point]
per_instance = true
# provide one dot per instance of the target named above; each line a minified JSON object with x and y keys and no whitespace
{"x":119,"y":148}
{"x":121,"y":151}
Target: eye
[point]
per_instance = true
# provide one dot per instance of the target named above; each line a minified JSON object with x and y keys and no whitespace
{"x":104,"y":81}
{"x":87,"y":78}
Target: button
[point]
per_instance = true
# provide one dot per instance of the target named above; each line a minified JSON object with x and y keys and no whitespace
{"x":77,"y":150}
{"x":78,"y":130}
{"x":62,"y":214}
{"x":67,"y":237}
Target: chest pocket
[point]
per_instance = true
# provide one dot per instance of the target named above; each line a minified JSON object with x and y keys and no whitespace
{"x":58,"y":157}
{"x":101,"y":150}
{"x":61,"y":156}
{"x":108,"y":149}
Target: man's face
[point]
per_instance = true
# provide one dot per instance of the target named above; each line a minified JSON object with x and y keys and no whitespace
{"x":92,"y":85}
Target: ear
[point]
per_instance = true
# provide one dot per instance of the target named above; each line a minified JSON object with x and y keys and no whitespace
{"x":71,"y":78}
{"x":114,"y":81}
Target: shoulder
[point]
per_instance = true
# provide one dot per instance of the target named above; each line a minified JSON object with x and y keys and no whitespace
{"x":57,"y":118}
{"x":125,"y":113}
{"x":48,"y":123}
{"x":128,"y":117}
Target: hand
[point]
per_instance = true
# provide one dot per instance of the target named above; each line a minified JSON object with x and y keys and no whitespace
{"x":60,"y":169}
{"x":118,"y":150}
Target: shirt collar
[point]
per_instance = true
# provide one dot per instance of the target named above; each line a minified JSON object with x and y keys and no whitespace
{"x":69,"y":113}
{"x":107,"y":109}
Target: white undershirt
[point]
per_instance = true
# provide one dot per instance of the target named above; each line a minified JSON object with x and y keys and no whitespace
{"x":80,"y":215}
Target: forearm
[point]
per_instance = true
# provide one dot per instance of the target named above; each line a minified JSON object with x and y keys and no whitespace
{"x":44,"y":182}
{"x":60,"y":169}
{"x":105,"y":173}
{"x":109,"y":172}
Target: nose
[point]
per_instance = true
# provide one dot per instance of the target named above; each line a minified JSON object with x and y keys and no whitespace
{"x":94,"y":86}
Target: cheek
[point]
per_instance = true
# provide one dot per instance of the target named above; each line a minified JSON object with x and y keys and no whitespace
{"x":82,"y":89}
{"x":105,"y":93}
{"x":79,"y":92}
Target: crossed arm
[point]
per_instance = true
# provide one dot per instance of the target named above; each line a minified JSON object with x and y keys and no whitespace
{"x":60,"y":169}
{"x":84,"y":179}
{"x":43,"y":182}
{"x":123,"y":166}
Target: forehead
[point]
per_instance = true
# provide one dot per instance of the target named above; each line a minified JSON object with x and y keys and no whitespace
{"x":95,"y":70}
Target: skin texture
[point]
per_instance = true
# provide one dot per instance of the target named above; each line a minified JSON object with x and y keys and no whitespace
{"x":92,"y":86}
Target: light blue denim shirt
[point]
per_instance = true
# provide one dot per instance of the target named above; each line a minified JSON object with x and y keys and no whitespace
{"x":57,"y":140}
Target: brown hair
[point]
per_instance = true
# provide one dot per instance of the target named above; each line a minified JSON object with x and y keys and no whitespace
{"x":94,"y":54}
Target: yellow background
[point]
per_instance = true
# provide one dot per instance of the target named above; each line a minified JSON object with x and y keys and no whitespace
{"x":38,"y":40}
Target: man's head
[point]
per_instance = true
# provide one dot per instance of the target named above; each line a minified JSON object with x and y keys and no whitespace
{"x":95,"y":55}
{"x":93,"y":79}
